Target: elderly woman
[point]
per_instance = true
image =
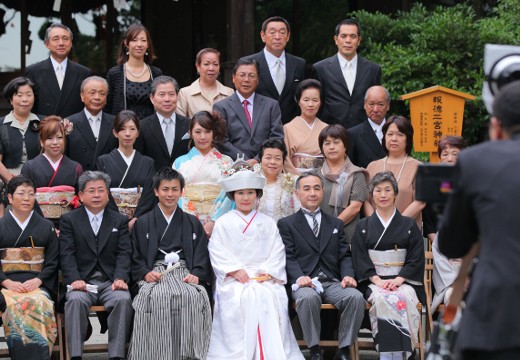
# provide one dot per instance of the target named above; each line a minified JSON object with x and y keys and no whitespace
{"x":19,"y":140}
{"x":444,"y":270}
{"x":397,"y":144}
{"x":202,"y":167}
{"x":388,"y":257}
{"x":130,"y":81}
{"x":301,"y":134}
{"x":344,"y":184}
{"x":251,"y":320}
{"x":206,"y":90}
{"x":29,"y":281}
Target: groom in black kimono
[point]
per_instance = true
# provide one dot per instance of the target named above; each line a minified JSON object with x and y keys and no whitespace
{"x":316,"y":247}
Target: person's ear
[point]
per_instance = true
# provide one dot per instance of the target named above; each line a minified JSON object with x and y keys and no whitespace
{"x":495,"y":129}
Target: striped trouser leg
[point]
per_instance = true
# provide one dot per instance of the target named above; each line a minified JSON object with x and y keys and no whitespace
{"x":308,"y":307}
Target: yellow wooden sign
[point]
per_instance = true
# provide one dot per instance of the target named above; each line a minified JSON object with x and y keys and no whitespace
{"x":434,"y":112}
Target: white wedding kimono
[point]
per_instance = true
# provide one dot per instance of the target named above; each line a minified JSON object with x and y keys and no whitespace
{"x":250,"y":320}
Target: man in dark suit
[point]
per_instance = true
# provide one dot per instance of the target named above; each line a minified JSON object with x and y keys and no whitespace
{"x":164,"y":135}
{"x":483,"y":208}
{"x":251,"y":118}
{"x":317,"y":250}
{"x":279,"y":72}
{"x":95,"y":250}
{"x":91,"y":135}
{"x":57,"y":79}
{"x":345,"y":78}
{"x":364,"y":140}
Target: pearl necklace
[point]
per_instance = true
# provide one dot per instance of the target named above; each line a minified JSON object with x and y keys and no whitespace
{"x":400,"y":171}
{"x":127,"y":68}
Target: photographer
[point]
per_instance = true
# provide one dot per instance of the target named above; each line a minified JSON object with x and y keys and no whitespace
{"x":482,"y":207}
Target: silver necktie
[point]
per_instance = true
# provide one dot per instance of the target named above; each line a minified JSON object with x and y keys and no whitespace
{"x":95,"y":224}
{"x":168,"y":134}
{"x":280,"y":76}
{"x":349,"y":77}
{"x":59,"y":75}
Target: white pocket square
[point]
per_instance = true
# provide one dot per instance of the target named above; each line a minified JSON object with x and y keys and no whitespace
{"x":194,"y":236}
{"x":114,"y":230}
{"x":335,"y":231}
{"x":186,"y":136}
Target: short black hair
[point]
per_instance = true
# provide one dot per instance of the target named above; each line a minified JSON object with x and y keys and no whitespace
{"x":47,"y":36}
{"x":506,"y":109}
{"x":306,"y":175}
{"x":273,"y":143}
{"x":163,"y":79}
{"x":381,"y":177}
{"x":12,"y":86}
{"x":304,"y":85}
{"x":17,"y":181}
{"x":350,"y":21}
{"x":276,"y":19}
{"x":246,"y":61}
{"x":335,"y":131}
{"x":167,"y":174}
{"x":405,"y":126}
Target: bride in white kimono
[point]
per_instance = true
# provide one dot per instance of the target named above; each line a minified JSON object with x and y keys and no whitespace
{"x":251,"y":318}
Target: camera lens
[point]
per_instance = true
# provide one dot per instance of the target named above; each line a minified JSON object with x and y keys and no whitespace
{"x":505,"y":70}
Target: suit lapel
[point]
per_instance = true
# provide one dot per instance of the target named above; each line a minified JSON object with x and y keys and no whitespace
{"x":181,"y":128}
{"x":86,"y":229}
{"x":51,"y":82}
{"x":289,"y":74}
{"x":239,"y":110}
{"x":336,"y":72}
{"x":71,"y":76}
{"x":265,"y":75}
{"x":156,"y":131}
{"x":326,"y":231}
{"x":104,"y":133}
{"x":85,"y":130}
{"x":258,"y":108}
{"x":361,"y":73}
{"x":105,"y":230}
{"x":302,"y":226}
{"x":370,"y":138}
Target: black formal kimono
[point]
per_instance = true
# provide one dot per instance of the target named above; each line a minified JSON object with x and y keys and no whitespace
{"x":393,"y":316}
{"x":171,"y":304}
{"x":140,"y":173}
{"x":41,"y":172}
{"x":29,"y":317}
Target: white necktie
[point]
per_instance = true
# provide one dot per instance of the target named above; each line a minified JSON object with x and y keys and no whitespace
{"x":94,"y":124}
{"x":95,"y":224}
{"x":280,"y":76}
{"x":349,"y":76}
{"x":168,"y":134}
{"x":59,"y":75}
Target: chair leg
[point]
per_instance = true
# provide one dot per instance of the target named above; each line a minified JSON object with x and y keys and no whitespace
{"x":59,"y":321}
{"x":354,"y":350}
{"x":421,"y":339}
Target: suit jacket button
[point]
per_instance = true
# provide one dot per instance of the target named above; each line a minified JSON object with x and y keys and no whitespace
{"x":84,"y":150}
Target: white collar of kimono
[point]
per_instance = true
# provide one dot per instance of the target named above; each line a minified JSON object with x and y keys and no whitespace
{"x":24,"y":224}
{"x":247,"y":217}
{"x":53,"y":164}
{"x":168,"y":219}
{"x":386,"y":223}
{"x":128,"y":160}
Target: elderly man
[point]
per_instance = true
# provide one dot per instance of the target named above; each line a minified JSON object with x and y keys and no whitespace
{"x":365,"y":139}
{"x":251,"y":118}
{"x":164,"y":135}
{"x":345,"y":77}
{"x":280,"y":72}
{"x":95,"y":252}
{"x":57,"y":78}
{"x":316,"y":249}
{"x":92,"y":133}
{"x":483,"y":208}
{"x":171,"y":266}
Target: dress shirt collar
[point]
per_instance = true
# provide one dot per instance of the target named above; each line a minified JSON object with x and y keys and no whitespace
{"x":99,"y":216}
{"x":24,"y":224}
{"x":378,"y":129}
{"x":63,"y":64}
{"x":309,"y":218}
{"x":10,"y":118}
{"x":90,"y":116}
{"x":161,"y":119}
{"x":271,"y":59}
{"x":343,"y":62}
{"x":251,"y":99}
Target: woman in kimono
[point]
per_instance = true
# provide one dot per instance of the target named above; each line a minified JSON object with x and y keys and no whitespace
{"x":171,"y":266}
{"x":344,"y":184}
{"x":19,"y":139}
{"x":27,"y":289}
{"x":127,"y":167}
{"x":251,"y":318}
{"x":202,"y":166}
{"x":301,"y":133}
{"x":397,"y":144}
{"x":388,"y":257}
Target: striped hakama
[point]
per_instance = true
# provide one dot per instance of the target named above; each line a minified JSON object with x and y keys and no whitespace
{"x":172,"y":318}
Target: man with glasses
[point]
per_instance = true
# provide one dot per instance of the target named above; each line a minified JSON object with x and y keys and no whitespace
{"x":251,"y":118}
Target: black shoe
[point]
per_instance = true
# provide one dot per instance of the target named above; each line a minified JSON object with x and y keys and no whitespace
{"x":316,"y":356}
{"x":116,"y":358}
{"x":75,"y":358}
{"x":341,"y":355}
{"x":412,"y":356}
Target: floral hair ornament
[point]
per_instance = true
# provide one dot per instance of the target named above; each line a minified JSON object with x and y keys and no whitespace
{"x":241,"y":175}
{"x":68,"y":126}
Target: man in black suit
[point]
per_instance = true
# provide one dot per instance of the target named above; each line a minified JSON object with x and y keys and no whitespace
{"x":57,"y":79}
{"x":317,"y":250}
{"x":280,"y":72}
{"x":251,"y":118}
{"x":483,"y":208}
{"x":95,"y":250}
{"x":164,"y":135}
{"x":345,"y":78}
{"x":364,"y":140}
{"x":91,"y":135}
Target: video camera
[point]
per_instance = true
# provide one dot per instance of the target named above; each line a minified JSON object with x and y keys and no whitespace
{"x":434,"y":182}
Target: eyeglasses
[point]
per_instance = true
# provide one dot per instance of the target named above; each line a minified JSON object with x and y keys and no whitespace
{"x":23,"y":195}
